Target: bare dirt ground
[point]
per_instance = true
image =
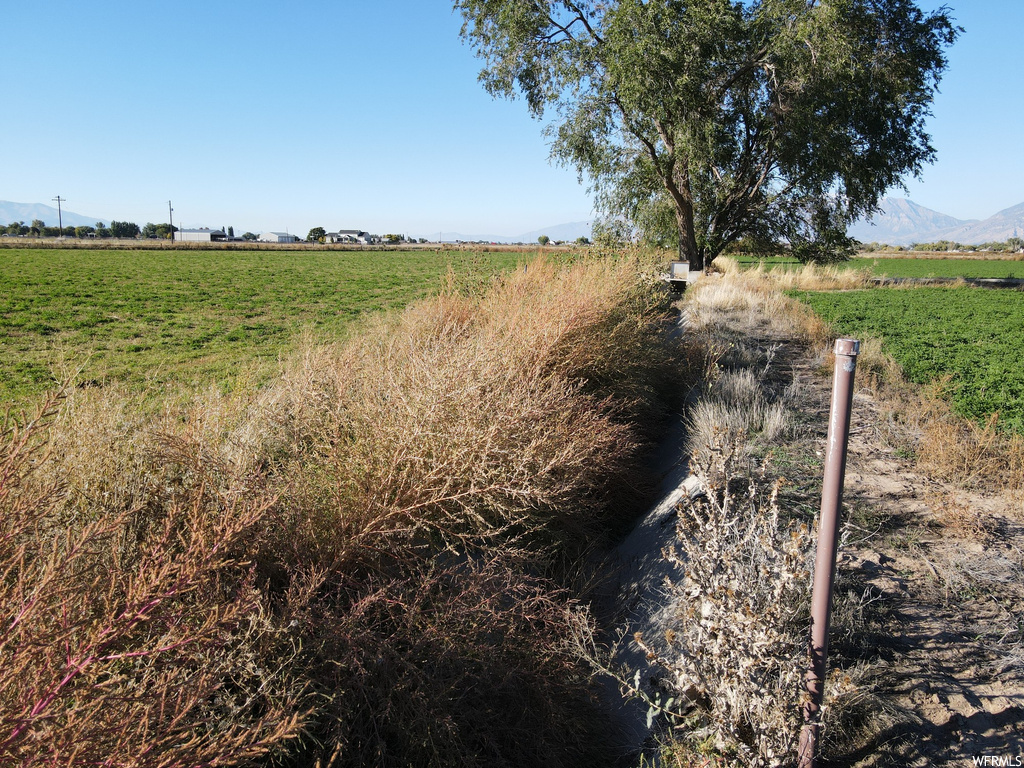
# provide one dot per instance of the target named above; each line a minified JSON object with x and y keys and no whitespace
{"x":935,"y":575}
{"x":929,"y":616}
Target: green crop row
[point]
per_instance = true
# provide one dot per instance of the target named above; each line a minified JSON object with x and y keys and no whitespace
{"x":152,"y":318}
{"x":971,"y":335}
{"x":908,"y":267}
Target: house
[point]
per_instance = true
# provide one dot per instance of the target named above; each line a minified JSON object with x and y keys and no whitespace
{"x":200,"y":235}
{"x":349,"y":236}
{"x":277,"y":237}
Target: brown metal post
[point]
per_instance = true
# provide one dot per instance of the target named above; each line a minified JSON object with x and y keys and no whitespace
{"x":828,"y":542}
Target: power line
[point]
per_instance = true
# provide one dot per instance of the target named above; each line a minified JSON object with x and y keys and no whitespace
{"x":60,"y":219}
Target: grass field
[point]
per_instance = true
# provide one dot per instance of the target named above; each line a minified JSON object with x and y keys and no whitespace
{"x":151,"y":318}
{"x":972,"y":335}
{"x":911,"y":266}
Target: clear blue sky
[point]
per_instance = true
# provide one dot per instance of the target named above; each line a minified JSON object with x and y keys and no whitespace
{"x":346,"y":114}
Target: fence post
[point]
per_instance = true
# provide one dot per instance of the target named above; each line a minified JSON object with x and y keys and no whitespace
{"x":828,"y":542}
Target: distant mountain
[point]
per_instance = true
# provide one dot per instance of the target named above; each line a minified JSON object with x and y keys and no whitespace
{"x":904,"y":222}
{"x":1002,"y":226}
{"x":27,"y":212}
{"x":565,"y":232}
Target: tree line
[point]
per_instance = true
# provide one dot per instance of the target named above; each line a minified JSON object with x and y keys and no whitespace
{"x":121,"y":229}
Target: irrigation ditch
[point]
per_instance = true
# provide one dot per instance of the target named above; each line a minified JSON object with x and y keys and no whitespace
{"x":928,"y":639}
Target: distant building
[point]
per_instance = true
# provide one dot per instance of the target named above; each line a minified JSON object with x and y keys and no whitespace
{"x":277,"y":237}
{"x":349,"y":236}
{"x":200,"y":235}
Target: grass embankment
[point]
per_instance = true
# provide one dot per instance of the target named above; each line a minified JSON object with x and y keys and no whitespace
{"x":363,"y":563}
{"x":164,"y":320}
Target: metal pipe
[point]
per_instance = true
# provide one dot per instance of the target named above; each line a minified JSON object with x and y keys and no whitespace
{"x":828,"y":542}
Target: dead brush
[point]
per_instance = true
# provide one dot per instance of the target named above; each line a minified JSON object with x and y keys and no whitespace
{"x":737,"y":637}
{"x":347,"y":566}
{"x":455,"y":664}
{"x":164,"y":655}
{"x":514,"y":414}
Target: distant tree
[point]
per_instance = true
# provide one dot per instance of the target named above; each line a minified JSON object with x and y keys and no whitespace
{"x":543,"y":239}
{"x":49,"y":232}
{"x":582,"y":241}
{"x":102,"y":231}
{"x":36,"y":227}
{"x":231,"y":232}
{"x":149,"y":231}
{"x":392,"y":239}
{"x":705,"y":121}
{"x":423,"y":240}
{"x":84,"y":231}
{"x":124,"y":229}
{"x":249,"y":236}
{"x":316,"y":235}
{"x":14,"y":228}
{"x":68,"y":232}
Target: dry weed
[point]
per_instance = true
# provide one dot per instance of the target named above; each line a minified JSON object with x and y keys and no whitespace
{"x":188,"y":581}
{"x":162,"y":655}
{"x":737,"y":643}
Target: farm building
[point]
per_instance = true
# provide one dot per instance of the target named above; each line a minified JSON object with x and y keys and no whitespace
{"x":348,"y":236}
{"x":200,"y":235}
{"x":278,"y":237}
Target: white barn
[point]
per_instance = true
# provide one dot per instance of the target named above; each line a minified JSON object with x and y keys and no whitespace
{"x":200,"y":235}
{"x":278,"y":237}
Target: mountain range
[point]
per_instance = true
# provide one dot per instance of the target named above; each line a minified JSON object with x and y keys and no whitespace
{"x":28,"y":212}
{"x":904,"y":222}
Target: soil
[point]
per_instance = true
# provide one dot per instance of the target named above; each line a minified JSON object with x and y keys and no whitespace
{"x":937,"y":577}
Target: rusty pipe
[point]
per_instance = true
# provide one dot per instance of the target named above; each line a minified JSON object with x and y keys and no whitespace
{"x":846,"y":351}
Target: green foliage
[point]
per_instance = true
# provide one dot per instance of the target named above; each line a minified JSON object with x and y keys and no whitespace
{"x":543,"y":239}
{"x":971,"y":335}
{"x":158,"y":231}
{"x":192,"y":317}
{"x":316,"y":235}
{"x":704,"y":122}
{"x":124,"y":229}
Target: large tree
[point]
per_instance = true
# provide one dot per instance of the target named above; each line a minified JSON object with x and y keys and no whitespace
{"x":716,"y":120}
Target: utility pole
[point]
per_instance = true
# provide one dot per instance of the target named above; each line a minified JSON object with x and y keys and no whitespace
{"x":170,"y":215}
{"x":60,"y":219}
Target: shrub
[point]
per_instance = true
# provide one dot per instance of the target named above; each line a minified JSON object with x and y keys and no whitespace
{"x":738,"y":641}
{"x":128,"y":645}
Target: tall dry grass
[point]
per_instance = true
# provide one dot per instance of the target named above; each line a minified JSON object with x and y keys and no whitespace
{"x":357,"y":565}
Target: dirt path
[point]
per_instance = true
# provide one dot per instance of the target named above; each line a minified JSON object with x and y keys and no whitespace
{"x":938,"y":575}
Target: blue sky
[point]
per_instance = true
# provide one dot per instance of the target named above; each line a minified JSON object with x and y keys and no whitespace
{"x":345,"y":114}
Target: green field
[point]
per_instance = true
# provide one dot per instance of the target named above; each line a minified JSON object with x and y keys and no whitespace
{"x":160,"y":318}
{"x":911,"y":267}
{"x":971,"y":334}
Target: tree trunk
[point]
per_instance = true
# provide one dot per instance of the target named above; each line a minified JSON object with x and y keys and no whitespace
{"x":688,"y":250}
{"x":678,"y":187}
